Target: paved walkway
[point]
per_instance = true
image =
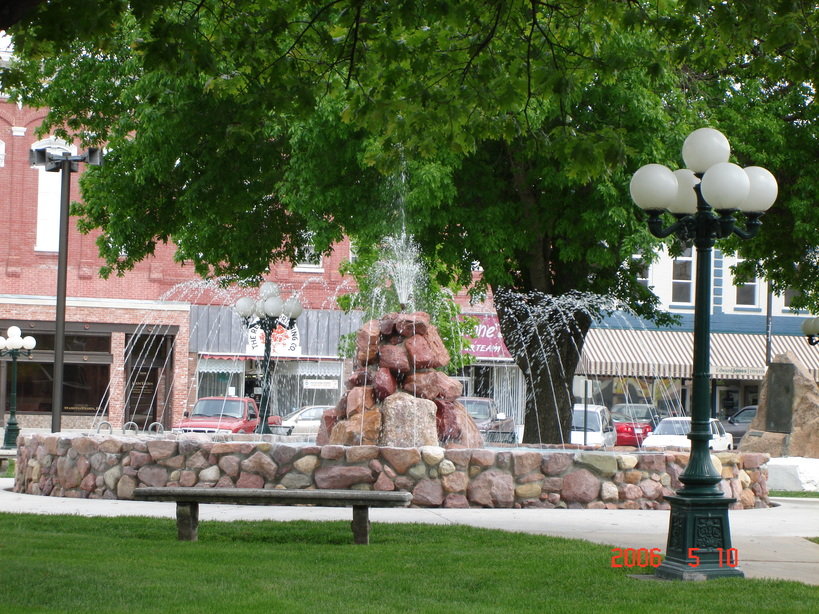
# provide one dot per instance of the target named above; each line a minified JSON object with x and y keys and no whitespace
{"x":771,"y":542}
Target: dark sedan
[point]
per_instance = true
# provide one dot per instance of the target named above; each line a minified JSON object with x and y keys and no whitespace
{"x":738,"y":424}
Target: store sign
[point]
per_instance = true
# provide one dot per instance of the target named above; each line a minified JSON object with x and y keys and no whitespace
{"x":488,"y":341}
{"x":320,"y":384}
{"x":729,"y":372}
{"x":283,"y":341}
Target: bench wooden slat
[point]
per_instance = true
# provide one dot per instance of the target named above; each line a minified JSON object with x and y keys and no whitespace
{"x":259,"y":496}
{"x":188,"y":500}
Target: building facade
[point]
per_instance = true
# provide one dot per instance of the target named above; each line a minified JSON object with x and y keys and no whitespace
{"x":143,"y":347}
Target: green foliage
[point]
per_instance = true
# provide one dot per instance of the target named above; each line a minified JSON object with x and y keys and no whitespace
{"x":498,"y":133}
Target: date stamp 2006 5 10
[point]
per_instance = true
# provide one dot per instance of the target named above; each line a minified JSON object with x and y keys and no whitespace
{"x":643,"y":557}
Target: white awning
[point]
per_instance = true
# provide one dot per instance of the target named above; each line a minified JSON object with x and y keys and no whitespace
{"x":653,"y":353}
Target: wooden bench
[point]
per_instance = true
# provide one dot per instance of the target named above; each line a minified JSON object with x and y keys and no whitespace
{"x":188,"y":500}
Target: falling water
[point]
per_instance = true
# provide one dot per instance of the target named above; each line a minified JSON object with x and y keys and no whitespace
{"x":400,"y":263}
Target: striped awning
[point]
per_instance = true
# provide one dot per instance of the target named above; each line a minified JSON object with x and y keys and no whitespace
{"x":662,"y":353}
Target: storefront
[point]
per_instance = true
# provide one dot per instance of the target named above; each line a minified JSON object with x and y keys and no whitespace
{"x":305,"y":368}
{"x":119,"y":365}
{"x":654,"y":366}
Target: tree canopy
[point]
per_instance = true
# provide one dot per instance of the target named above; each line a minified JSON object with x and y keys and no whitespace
{"x":500,"y":133}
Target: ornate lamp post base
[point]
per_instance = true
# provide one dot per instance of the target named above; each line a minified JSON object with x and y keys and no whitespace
{"x":11,"y":434}
{"x":699,"y":540}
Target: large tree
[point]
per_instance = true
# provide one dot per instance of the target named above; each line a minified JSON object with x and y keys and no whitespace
{"x":498,"y":133}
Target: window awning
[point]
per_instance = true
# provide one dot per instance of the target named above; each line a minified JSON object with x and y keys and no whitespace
{"x":656,"y":353}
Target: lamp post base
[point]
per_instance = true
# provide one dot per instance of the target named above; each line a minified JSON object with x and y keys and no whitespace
{"x":699,"y":540}
{"x":10,"y":436}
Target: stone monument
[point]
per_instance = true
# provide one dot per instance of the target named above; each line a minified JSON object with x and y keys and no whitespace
{"x":787,"y":421}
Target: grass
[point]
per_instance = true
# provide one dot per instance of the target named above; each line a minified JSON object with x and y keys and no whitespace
{"x":802,"y":494}
{"x":74,"y":564}
{"x":9,"y":469}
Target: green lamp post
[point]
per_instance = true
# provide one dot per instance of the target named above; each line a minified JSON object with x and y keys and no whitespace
{"x":268,"y":313}
{"x":13,"y":345}
{"x":703,"y":200}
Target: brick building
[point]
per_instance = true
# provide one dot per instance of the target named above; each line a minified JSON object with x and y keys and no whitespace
{"x":137,"y":347}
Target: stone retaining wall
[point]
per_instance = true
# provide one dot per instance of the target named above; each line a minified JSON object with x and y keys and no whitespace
{"x":110,"y":467}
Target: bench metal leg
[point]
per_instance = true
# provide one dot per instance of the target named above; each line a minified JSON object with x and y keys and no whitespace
{"x":187,"y":521}
{"x":361,"y":524}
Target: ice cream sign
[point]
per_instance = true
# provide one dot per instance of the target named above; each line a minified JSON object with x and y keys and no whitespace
{"x":488,"y":342}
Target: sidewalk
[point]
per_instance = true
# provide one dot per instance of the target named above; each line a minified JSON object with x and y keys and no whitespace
{"x":771,"y":542}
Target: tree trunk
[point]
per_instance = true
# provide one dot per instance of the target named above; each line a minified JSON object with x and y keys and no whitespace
{"x":545,"y":335}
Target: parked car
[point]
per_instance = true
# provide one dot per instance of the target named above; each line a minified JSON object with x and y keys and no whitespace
{"x":633,"y":422}
{"x":738,"y":423}
{"x":305,"y":420}
{"x":672,"y":432}
{"x":592,"y":426}
{"x":495,"y":426}
{"x":223,"y":415}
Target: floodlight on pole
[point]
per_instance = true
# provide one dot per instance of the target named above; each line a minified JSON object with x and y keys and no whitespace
{"x":65,"y":163}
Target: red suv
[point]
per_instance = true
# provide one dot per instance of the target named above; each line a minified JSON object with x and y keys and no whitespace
{"x":223,"y":415}
{"x":633,"y":422}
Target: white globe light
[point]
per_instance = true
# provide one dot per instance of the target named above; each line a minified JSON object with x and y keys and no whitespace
{"x":29,"y":342}
{"x":245,"y":306}
{"x":763,"y":192}
{"x":725,"y":186}
{"x":14,"y":343}
{"x":653,"y":187}
{"x":13,"y":331}
{"x":704,"y":148}
{"x":686,"y":200}
{"x":269,"y":289}
{"x":811,"y":326}
{"x":292,"y":308}
{"x":2,"y":343}
{"x":273,"y":306}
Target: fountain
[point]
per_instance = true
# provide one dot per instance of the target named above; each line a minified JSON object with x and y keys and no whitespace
{"x":398,"y":426}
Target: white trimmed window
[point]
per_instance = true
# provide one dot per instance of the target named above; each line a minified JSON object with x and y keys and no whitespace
{"x":748,"y":293}
{"x":682,"y":278}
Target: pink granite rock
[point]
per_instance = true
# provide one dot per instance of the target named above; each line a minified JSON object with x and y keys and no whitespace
{"x":580,"y":486}
{"x":342,"y":477}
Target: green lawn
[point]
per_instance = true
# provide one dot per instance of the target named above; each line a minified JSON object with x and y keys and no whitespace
{"x":802,"y":494}
{"x":81,"y":565}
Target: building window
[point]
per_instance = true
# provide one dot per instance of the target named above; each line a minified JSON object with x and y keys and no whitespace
{"x":2,"y":153}
{"x":682,"y":277}
{"x":308,"y":259}
{"x":747,"y":293}
{"x":642,"y":271}
{"x":789,"y":295}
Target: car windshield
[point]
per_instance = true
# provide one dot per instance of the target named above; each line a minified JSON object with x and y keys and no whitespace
{"x":746,"y":416}
{"x":592,"y":420}
{"x":632,"y":413}
{"x":213,"y":408}
{"x":479,"y":409}
{"x":673,"y":427}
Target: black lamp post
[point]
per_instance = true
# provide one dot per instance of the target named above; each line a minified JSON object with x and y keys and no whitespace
{"x":703,"y":200}
{"x":269,"y":312}
{"x":13,"y":346}
{"x":65,"y":163}
{"x":810,"y":328}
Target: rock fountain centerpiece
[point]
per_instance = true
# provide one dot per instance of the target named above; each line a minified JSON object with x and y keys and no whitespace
{"x":396,"y":396}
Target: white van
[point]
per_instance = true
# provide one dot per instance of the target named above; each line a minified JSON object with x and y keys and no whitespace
{"x":592,"y":426}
